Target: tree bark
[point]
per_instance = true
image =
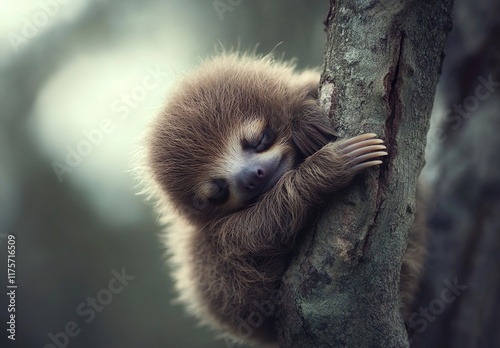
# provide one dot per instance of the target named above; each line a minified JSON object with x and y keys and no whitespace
{"x":464,"y":173}
{"x":381,"y":67}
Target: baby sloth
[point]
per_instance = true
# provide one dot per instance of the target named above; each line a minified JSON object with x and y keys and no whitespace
{"x":243,"y":154}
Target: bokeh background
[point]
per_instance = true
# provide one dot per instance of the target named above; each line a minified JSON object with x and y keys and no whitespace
{"x":79,"y":82}
{"x":66,"y":67}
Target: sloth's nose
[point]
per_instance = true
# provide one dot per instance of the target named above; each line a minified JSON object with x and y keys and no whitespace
{"x":251,"y":179}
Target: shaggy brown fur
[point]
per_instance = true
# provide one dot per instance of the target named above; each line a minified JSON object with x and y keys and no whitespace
{"x":229,"y":253}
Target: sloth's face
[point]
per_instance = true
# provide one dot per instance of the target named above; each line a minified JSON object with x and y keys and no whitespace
{"x":250,"y":162}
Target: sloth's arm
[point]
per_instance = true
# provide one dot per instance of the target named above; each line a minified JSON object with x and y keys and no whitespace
{"x":311,"y":128}
{"x":270,"y":225}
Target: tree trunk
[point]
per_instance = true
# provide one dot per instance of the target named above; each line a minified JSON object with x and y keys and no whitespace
{"x":381,"y":67}
{"x":464,"y":172}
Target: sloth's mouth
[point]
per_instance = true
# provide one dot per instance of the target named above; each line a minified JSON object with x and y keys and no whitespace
{"x":274,"y":178}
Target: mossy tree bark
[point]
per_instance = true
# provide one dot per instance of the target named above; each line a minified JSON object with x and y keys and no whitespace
{"x":381,"y":67}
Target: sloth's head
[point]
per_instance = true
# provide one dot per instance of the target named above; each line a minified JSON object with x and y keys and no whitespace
{"x":232,"y":169}
{"x":225,"y":137}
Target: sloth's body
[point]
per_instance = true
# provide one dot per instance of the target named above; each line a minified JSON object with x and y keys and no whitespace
{"x":243,"y":154}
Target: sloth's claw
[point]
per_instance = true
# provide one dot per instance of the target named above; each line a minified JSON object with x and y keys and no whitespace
{"x":358,"y":139}
{"x":361,"y":166}
{"x":361,"y":144}
{"x":364,"y":150}
{"x":361,"y":150}
{"x":368,"y":156}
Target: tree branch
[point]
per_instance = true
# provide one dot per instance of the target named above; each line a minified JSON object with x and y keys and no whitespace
{"x":381,"y":67}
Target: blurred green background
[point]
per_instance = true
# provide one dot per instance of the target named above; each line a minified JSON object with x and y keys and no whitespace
{"x":79,"y":82}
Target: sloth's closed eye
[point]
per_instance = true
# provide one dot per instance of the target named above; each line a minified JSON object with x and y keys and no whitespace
{"x":262,"y":143}
{"x":266,"y":140}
